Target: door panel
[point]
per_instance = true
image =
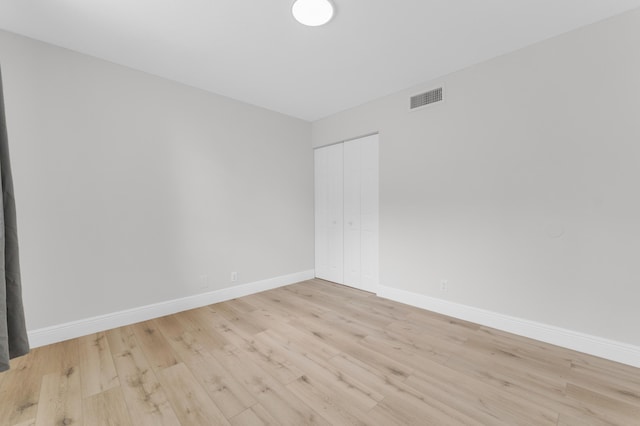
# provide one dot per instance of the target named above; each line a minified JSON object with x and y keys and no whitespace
{"x":369,"y":208}
{"x":329,"y":190}
{"x":352,"y":232}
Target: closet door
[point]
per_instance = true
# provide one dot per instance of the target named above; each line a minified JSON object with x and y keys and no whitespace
{"x":369,"y":216}
{"x":361,"y":213}
{"x":352,"y":222}
{"x":329,"y":208}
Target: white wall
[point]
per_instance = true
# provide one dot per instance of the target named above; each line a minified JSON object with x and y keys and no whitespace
{"x":537,"y":143}
{"x":130,"y":187}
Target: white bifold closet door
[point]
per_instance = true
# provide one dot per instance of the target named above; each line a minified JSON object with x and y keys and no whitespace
{"x":329,"y":190}
{"x":348,"y":255}
{"x":369,"y":218}
{"x":352,"y":222}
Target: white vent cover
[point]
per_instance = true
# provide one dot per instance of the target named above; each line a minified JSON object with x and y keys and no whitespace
{"x":426,"y":98}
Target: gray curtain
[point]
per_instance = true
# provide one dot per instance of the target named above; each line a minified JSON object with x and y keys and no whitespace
{"x":13,"y":333}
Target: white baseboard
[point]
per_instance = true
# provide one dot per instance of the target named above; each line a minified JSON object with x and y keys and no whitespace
{"x":609,"y":349}
{"x":70,"y":330}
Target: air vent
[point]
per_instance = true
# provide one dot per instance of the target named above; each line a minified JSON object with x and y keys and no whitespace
{"x":426,"y":98}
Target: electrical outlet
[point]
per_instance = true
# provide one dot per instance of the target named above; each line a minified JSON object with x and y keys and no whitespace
{"x":234,"y":277}
{"x":444,"y":285}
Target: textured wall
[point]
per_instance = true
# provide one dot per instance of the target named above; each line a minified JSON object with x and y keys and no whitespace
{"x":131,"y":187}
{"x":521,"y":189}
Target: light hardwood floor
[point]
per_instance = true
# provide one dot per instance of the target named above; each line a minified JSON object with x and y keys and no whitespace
{"x":314,"y":353}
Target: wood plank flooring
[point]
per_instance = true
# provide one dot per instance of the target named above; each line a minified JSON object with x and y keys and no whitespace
{"x":314,"y":353}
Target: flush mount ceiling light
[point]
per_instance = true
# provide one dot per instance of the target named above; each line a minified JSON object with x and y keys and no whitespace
{"x":312,"y":13}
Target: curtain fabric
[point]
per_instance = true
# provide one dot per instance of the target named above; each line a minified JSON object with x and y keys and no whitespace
{"x":13,"y":333}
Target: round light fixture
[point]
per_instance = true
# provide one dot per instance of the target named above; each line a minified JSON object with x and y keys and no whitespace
{"x":312,"y":13}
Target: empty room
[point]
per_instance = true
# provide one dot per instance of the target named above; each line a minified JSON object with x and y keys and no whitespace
{"x":320,"y":212}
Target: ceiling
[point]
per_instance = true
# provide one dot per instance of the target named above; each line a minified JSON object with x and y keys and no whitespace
{"x":254,"y":51}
